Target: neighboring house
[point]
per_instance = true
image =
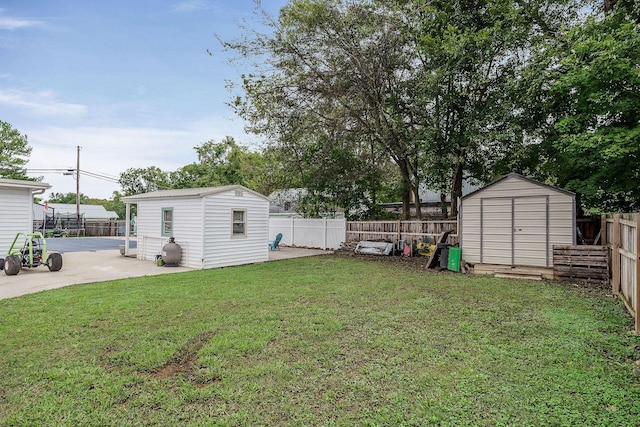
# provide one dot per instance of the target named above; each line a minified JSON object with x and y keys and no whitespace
{"x":430,"y":201}
{"x":16,"y":215}
{"x":88,"y":212}
{"x":285,"y":201}
{"x":215,"y":226}
{"x":515,"y":221}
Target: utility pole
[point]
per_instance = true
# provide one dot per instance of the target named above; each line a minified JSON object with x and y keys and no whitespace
{"x":78,"y":183}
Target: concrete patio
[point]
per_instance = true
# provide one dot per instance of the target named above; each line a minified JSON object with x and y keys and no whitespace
{"x":99,"y":266}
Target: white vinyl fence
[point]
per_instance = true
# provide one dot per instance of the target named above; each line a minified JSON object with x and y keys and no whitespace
{"x":320,"y":233}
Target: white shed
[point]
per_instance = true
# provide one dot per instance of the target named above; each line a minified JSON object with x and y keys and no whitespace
{"x":515,"y":221}
{"x":16,"y":215}
{"x":215,"y":226}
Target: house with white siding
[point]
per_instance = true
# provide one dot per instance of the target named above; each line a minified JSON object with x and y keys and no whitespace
{"x":16,"y":215}
{"x":214,"y":226}
{"x":515,"y":222}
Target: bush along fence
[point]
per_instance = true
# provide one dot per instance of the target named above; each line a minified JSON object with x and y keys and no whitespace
{"x":622,"y":236}
{"x":393,"y":231}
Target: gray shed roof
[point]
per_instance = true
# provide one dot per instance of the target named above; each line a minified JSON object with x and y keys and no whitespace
{"x":518,"y":176}
{"x":19,"y":183}
{"x":188,"y":193}
{"x":89,"y":211}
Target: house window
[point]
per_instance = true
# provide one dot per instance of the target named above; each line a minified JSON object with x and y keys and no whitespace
{"x":239,"y":223}
{"x":167,"y":221}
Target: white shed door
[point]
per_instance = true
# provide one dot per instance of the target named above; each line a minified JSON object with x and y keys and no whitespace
{"x":514,"y":231}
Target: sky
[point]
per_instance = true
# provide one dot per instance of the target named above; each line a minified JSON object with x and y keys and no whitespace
{"x":129,"y":81}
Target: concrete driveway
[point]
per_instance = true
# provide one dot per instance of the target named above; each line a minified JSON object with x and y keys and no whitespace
{"x":82,"y":267}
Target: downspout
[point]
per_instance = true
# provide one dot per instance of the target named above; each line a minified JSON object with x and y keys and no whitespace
{"x":203,"y":211}
{"x":34,"y":193}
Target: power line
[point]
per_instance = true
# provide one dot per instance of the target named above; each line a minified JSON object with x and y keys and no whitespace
{"x":96,"y":175}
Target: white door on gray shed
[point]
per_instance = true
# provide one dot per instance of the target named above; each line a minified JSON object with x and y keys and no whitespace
{"x":514,"y":231}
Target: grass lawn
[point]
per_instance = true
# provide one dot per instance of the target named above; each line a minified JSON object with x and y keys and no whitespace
{"x":318,"y":341}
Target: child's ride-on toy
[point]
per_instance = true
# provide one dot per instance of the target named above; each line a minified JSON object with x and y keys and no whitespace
{"x":32,"y":254}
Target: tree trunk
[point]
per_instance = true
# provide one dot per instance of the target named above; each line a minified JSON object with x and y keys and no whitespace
{"x":443,"y":205}
{"x":609,"y":5}
{"x":406,"y":189}
{"x":456,"y":188}
{"x":416,"y":196}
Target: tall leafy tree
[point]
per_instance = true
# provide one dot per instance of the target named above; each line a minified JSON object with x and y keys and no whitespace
{"x":14,"y":152}
{"x":143,"y":180}
{"x":337,"y":74}
{"x":472,"y":52}
{"x":67,"y":198}
{"x":223,"y":163}
{"x":427,"y":82}
{"x":587,"y":86}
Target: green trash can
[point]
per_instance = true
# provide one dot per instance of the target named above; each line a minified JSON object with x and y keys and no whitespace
{"x":454,"y":259}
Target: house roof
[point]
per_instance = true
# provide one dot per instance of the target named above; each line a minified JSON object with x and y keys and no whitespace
{"x":19,"y":183}
{"x":188,"y":193}
{"x":89,"y":211}
{"x":428,"y":196}
{"x":523,"y":178}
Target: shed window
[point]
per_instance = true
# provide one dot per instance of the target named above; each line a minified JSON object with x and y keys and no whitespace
{"x":239,"y":220}
{"x":167,"y":221}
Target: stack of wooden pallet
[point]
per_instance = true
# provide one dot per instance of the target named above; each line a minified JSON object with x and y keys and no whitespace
{"x":581,"y":263}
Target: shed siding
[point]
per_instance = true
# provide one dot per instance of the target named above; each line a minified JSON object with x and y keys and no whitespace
{"x":187,"y":229}
{"x":516,"y":222}
{"x":220,"y":247}
{"x":16,"y":215}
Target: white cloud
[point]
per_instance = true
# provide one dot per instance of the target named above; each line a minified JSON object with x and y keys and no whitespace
{"x":40,"y":103}
{"x":112,"y":150}
{"x":191,"y":6}
{"x":10,"y":23}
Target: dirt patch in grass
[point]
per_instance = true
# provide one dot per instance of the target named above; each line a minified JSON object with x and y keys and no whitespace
{"x":418,"y":263}
{"x":184,"y":361}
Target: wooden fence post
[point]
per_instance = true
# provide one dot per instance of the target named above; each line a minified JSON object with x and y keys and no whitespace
{"x":637,"y":267}
{"x":615,"y":253}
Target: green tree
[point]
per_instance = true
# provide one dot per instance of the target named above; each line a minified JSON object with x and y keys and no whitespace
{"x":424,"y":83}
{"x":114,"y":204}
{"x":67,"y":198}
{"x":223,"y":163}
{"x":340,"y":77}
{"x":473,"y":51}
{"x":14,"y":153}
{"x":143,"y":180}
{"x":587,"y":87}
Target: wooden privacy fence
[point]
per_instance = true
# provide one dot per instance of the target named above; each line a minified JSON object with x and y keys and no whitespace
{"x":104,"y":228}
{"x":393,"y":231}
{"x":622,"y":235}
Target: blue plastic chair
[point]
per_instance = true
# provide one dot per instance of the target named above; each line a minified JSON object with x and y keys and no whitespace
{"x":275,"y":245}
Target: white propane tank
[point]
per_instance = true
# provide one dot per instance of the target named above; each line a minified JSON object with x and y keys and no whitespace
{"x":171,"y":253}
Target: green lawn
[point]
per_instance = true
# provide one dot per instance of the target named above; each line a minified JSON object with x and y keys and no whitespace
{"x":318,"y":341}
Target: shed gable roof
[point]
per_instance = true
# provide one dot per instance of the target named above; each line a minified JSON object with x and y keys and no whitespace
{"x":19,"y":183}
{"x":520,"y":177}
{"x":189,"y":193}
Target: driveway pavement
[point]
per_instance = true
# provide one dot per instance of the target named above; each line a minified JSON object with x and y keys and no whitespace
{"x":91,"y":266}
{"x":86,"y":244}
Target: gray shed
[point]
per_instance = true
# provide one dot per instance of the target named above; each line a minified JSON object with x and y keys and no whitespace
{"x":215,"y":226}
{"x":16,"y":215}
{"x":515,"y":221}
